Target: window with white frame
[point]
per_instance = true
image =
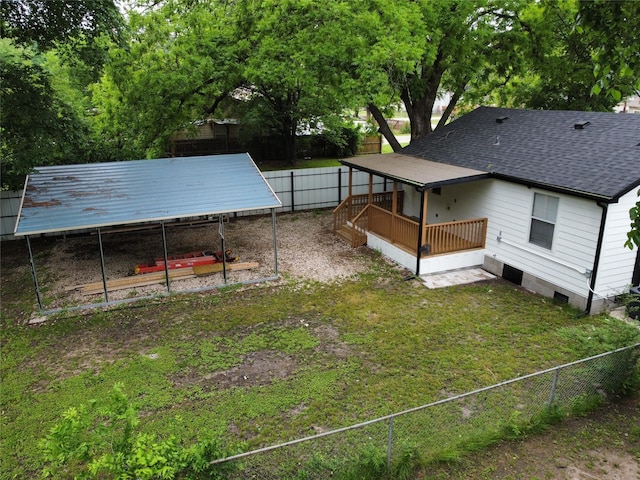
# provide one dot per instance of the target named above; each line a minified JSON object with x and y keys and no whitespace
{"x":543,"y":220}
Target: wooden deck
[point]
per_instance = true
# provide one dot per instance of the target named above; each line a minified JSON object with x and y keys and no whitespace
{"x":439,"y":238}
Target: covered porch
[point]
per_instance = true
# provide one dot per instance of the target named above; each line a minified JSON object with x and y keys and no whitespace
{"x":378,"y":219}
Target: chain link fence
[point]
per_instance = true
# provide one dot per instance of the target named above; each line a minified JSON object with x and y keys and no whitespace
{"x":392,"y":446}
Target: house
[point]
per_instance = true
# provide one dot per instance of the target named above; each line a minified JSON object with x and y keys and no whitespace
{"x":629,"y":105}
{"x":540,"y":198}
{"x":207,"y":137}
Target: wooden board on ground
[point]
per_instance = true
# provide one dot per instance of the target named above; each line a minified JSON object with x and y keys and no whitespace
{"x":134,"y":281}
{"x":155,"y":278}
{"x":201,"y":270}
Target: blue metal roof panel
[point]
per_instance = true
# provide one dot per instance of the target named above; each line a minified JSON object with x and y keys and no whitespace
{"x":72,"y":197}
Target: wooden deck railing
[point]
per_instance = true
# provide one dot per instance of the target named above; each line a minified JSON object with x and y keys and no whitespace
{"x":399,"y":230}
{"x":454,"y":236}
{"x":359,"y":227}
{"x":351,"y":206}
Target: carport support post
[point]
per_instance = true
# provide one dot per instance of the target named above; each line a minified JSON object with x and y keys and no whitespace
{"x":32,"y":265}
{"x":166,"y":258}
{"x":275,"y":239}
{"x":224,"y":255}
{"x":104,"y":277}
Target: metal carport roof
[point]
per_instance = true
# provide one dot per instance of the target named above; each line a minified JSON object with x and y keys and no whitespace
{"x":72,"y":197}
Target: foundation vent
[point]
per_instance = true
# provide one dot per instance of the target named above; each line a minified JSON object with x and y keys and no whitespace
{"x":512,"y":274}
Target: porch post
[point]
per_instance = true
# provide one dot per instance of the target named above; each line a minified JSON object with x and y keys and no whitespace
{"x":370,"y":199}
{"x":423,"y":214}
{"x":350,"y":193}
{"x":421,"y":232}
{"x":394,"y":209}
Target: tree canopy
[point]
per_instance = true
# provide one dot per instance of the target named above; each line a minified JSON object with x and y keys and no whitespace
{"x":587,"y":57}
{"x":123,"y":86}
{"x":49,"y":54}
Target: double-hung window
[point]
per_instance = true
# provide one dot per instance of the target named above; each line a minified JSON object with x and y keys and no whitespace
{"x":543,"y":220}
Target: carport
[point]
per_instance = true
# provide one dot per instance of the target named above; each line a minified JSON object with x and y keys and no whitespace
{"x":100,"y":196}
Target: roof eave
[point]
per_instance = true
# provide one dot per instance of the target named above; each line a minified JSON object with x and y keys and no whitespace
{"x":556,"y":188}
{"x":155,"y":220}
{"x":420,"y":186}
{"x":406,"y":181}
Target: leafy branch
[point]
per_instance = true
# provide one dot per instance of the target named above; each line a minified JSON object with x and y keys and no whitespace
{"x":94,"y":440}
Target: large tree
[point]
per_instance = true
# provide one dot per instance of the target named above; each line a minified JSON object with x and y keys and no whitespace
{"x":48,"y":56}
{"x":38,"y":125}
{"x":181,"y":60}
{"x":298,"y":64}
{"x":614,"y":29}
{"x":554,"y":54}
{"x":286,"y":62}
{"x":292,"y":63}
{"x":468,"y":48}
{"x":586,"y":57}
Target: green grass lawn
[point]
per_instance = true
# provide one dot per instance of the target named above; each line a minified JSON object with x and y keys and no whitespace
{"x":275,"y":362}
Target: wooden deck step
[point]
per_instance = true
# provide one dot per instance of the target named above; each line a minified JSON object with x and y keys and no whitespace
{"x":345,"y":233}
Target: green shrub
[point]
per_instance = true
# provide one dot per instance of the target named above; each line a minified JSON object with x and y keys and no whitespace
{"x":95,"y":440}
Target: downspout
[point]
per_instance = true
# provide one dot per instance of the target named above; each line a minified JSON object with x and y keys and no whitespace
{"x":596,"y":260}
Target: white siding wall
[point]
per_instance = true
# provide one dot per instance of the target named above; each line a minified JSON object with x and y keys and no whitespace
{"x":617,"y":261}
{"x":508,"y":207}
{"x":411,"y":203}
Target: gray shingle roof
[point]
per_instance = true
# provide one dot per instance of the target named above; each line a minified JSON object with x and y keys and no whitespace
{"x":542,"y":147}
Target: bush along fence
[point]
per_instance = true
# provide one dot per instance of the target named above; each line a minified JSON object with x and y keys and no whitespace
{"x":303,"y":189}
{"x":394,"y":446}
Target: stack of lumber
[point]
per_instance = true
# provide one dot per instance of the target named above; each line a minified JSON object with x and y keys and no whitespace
{"x":155,"y":278}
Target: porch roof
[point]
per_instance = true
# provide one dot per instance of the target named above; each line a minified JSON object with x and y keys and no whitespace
{"x":415,"y":171}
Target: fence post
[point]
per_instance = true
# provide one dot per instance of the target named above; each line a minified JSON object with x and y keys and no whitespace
{"x":292,"y":194}
{"x":389,"y":444}
{"x":553,"y":388}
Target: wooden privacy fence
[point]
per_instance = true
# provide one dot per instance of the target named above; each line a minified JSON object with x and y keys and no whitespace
{"x":369,"y":145}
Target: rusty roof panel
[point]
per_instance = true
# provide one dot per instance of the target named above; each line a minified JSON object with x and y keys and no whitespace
{"x":73,"y":197}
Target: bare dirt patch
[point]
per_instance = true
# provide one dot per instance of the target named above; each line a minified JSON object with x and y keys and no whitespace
{"x":257,"y":369}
